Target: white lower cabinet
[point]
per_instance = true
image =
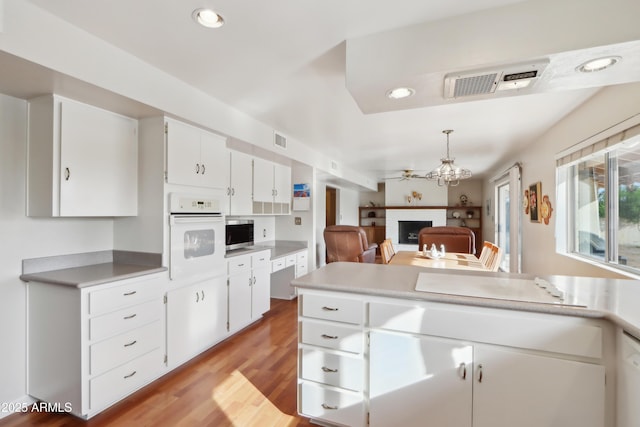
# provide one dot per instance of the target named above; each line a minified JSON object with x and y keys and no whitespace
{"x":422,"y":365}
{"x":249,"y":288}
{"x":462,"y":384}
{"x":331,"y":364}
{"x":90,"y":347}
{"x":196,"y":318}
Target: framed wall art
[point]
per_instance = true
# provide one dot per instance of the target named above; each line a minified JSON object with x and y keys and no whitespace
{"x":534,"y":201}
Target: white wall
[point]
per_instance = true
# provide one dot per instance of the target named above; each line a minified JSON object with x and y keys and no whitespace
{"x":23,"y":238}
{"x":606,"y":108}
{"x":286,"y":228}
{"x":396,"y":192}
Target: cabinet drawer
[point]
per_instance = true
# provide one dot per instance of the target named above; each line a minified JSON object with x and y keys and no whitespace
{"x":261,"y":259}
{"x":337,"y":309}
{"x":337,"y":337}
{"x":332,"y":369}
{"x":341,"y":407}
{"x":126,"y":295}
{"x":301,"y":270}
{"x":278,"y":264}
{"x":124,"y":320}
{"x":301,"y":257}
{"x":536,"y":331}
{"x":117,"y":383}
{"x":122,"y":348}
{"x":238,"y":264}
{"x":290,"y":260}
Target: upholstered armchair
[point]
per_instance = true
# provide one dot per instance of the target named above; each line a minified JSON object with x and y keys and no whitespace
{"x":454,"y":239}
{"x":348,"y":243}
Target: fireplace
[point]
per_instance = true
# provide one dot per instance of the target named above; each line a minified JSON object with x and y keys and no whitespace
{"x":408,"y":231}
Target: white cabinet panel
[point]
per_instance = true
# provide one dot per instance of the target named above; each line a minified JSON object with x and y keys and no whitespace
{"x":196,"y":318}
{"x":525,"y":390}
{"x":271,"y":188}
{"x":413,"y":379}
{"x":240,"y":184}
{"x":195,"y":157}
{"x":82,"y":160}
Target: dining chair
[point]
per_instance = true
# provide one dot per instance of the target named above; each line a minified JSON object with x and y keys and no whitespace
{"x":386,"y":252}
{"x":494,"y":259}
{"x":486,"y":251}
{"x":392,"y":251}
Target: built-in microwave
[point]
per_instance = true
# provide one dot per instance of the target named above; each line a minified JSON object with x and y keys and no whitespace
{"x":239,"y":233}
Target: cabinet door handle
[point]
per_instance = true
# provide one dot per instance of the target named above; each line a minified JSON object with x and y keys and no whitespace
{"x":197,"y":168}
{"x":325,"y":308}
{"x":250,"y":281}
{"x":126,"y":294}
{"x":329,"y":337}
{"x":480,"y":373}
{"x":202,"y":295}
{"x":130,"y":317}
{"x":325,"y":369}
{"x":254,"y":280}
{"x":462,"y":370}
{"x":130,"y":375}
{"x":197,"y":297}
{"x":325,"y":406}
{"x":131,"y":343}
{"x":233,"y":191}
{"x":67,"y":174}
{"x":203,"y":169}
{"x":228,"y":191}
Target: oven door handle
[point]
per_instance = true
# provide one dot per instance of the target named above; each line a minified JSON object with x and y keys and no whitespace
{"x":194,"y":219}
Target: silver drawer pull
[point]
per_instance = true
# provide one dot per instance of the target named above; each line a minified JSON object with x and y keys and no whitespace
{"x":325,"y":406}
{"x":131,"y":343}
{"x":325,"y":369}
{"x":325,"y":308}
{"x":329,"y":337}
{"x":126,"y":294}
{"x":130,"y":317}
{"x":130,"y":375}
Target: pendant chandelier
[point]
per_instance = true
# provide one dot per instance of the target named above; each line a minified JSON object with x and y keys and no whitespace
{"x":448,"y":173}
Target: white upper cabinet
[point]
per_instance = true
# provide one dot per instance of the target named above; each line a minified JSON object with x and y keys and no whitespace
{"x":195,"y":157}
{"x":240,"y":184}
{"x":271,"y":187}
{"x":82,"y":160}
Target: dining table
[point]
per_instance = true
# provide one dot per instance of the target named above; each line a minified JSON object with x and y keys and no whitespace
{"x":450,"y":260}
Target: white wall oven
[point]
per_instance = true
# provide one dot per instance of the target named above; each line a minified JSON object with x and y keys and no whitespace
{"x":197,"y":237}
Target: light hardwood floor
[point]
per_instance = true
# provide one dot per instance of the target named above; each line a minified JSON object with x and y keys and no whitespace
{"x":247,"y":380}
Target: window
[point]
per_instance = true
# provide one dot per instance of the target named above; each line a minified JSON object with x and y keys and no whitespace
{"x":600,"y":183}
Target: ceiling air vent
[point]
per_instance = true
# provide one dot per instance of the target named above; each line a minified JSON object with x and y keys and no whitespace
{"x":482,"y":82}
{"x":280,"y":141}
{"x":456,"y":86}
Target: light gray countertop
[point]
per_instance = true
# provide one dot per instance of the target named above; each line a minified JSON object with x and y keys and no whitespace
{"x":91,"y":268}
{"x":614,"y":299}
{"x":278,"y":248}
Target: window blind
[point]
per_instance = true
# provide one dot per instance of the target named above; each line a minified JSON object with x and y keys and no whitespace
{"x":601,"y":142}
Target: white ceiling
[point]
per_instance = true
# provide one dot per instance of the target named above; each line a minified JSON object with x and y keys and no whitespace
{"x":285,"y":62}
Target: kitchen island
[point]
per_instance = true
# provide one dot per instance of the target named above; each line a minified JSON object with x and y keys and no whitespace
{"x":481,"y":349}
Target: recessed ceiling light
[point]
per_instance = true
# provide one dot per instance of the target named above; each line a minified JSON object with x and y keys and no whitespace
{"x":598,"y":64}
{"x":400,"y":92}
{"x":208,"y":18}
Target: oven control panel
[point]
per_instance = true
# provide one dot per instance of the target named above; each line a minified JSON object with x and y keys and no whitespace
{"x":182,"y":203}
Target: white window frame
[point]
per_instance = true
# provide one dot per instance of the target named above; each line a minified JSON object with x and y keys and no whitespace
{"x":603,"y":143}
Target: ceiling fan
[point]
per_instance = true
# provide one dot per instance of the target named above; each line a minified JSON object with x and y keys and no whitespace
{"x":408,"y":174}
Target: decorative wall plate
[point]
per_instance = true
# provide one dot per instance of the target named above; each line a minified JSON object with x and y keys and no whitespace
{"x":546,"y":209}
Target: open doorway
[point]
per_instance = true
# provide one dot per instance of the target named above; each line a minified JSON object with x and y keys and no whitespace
{"x":331,"y":206}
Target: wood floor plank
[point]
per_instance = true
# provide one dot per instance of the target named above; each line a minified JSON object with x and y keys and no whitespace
{"x":248,"y":380}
